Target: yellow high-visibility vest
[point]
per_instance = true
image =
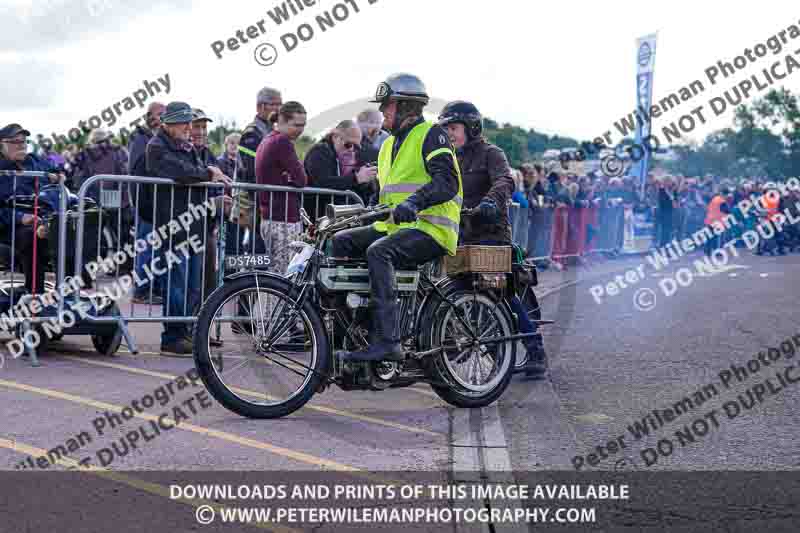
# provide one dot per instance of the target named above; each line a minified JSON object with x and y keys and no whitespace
{"x":402,"y":177}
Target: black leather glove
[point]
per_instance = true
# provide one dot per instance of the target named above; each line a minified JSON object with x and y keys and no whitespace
{"x":405,"y":212}
{"x":487,"y":209}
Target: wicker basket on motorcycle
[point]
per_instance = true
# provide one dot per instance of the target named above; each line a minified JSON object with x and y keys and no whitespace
{"x":473,"y":258}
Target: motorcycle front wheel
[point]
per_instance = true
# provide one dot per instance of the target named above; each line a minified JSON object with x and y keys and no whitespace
{"x":257,"y":352}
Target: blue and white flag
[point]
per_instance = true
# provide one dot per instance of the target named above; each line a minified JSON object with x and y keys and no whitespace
{"x":645,"y":65}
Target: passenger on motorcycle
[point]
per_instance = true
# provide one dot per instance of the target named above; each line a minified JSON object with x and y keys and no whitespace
{"x":419,"y":178}
{"x":488,"y":186}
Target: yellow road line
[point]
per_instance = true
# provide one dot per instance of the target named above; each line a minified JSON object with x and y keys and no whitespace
{"x":320,"y":408}
{"x":152,"y":488}
{"x":423,"y":392}
{"x":222,"y":435}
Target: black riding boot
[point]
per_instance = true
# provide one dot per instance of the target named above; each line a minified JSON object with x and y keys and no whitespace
{"x":386,"y":347}
{"x":536,"y":367}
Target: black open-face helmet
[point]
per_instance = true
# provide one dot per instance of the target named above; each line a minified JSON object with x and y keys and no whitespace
{"x":401,"y":87}
{"x":464,"y":112}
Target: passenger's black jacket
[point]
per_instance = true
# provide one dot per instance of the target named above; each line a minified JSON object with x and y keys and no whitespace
{"x":485,"y":174}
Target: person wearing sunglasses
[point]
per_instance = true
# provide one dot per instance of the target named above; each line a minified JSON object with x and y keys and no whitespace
{"x":339,"y":162}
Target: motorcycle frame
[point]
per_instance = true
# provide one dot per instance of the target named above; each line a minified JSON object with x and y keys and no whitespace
{"x":306,"y":284}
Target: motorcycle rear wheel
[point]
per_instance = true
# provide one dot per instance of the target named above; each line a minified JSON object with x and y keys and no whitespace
{"x":477,"y":375}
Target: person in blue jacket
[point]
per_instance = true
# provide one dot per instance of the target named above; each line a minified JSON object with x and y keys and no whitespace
{"x":14,"y":157}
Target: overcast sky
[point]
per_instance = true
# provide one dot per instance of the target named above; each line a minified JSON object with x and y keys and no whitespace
{"x":563,"y":67}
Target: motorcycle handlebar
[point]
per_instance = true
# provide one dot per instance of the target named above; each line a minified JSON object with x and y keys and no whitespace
{"x":377,"y":214}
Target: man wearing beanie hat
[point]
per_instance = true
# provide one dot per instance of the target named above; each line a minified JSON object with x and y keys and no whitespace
{"x":170,"y":154}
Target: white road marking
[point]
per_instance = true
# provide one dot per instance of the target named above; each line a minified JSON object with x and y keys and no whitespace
{"x":466,"y":461}
{"x":480,"y":455}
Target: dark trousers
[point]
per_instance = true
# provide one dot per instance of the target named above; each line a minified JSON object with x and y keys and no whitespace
{"x":712,"y":245}
{"x":385,"y":253}
{"x":23,"y":250}
{"x":665,"y":228}
{"x":182,"y":290}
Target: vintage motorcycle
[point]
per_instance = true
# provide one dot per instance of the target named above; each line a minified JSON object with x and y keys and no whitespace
{"x":264,"y":344}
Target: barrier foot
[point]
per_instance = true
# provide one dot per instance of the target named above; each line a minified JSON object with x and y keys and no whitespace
{"x":126,"y":334}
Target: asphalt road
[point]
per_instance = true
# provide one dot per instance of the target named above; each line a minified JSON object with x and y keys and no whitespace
{"x":612,"y":364}
{"x":617,"y":363}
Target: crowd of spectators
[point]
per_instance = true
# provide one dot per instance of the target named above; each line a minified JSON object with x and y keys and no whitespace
{"x":676,"y":205}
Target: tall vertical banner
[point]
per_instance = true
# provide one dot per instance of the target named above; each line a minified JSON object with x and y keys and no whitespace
{"x":645,"y":65}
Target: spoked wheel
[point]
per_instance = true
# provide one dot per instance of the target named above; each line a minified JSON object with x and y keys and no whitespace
{"x":476,"y":373}
{"x":259,"y":355}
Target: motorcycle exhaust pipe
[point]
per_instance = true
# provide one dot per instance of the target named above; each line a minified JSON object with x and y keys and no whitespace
{"x":336,"y":212}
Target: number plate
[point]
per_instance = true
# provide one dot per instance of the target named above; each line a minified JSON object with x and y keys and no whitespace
{"x":247,"y":261}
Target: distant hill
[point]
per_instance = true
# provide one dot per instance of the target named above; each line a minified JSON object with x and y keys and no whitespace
{"x":523,"y":145}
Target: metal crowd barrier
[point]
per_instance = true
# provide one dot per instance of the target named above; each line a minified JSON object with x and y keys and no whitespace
{"x":518,"y":216}
{"x":8,"y":240}
{"x":556,"y":234}
{"x":146,"y":211}
{"x":120,"y":210}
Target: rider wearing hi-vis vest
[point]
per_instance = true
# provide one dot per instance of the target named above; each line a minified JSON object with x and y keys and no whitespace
{"x":404,"y":176}
{"x":419,"y":178}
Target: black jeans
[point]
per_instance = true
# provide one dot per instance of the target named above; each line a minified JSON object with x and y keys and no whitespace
{"x":665,"y":228}
{"x":385,"y":253}
{"x":23,"y":249}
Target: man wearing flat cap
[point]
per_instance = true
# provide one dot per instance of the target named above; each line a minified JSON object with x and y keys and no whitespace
{"x":170,"y":154}
{"x":199,"y":136}
{"x":14,"y":157}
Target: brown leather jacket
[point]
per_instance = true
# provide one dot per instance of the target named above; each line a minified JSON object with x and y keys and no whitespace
{"x":485,"y":173}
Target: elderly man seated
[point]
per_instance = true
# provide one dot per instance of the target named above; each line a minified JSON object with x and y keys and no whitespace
{"x":14,"y":157}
